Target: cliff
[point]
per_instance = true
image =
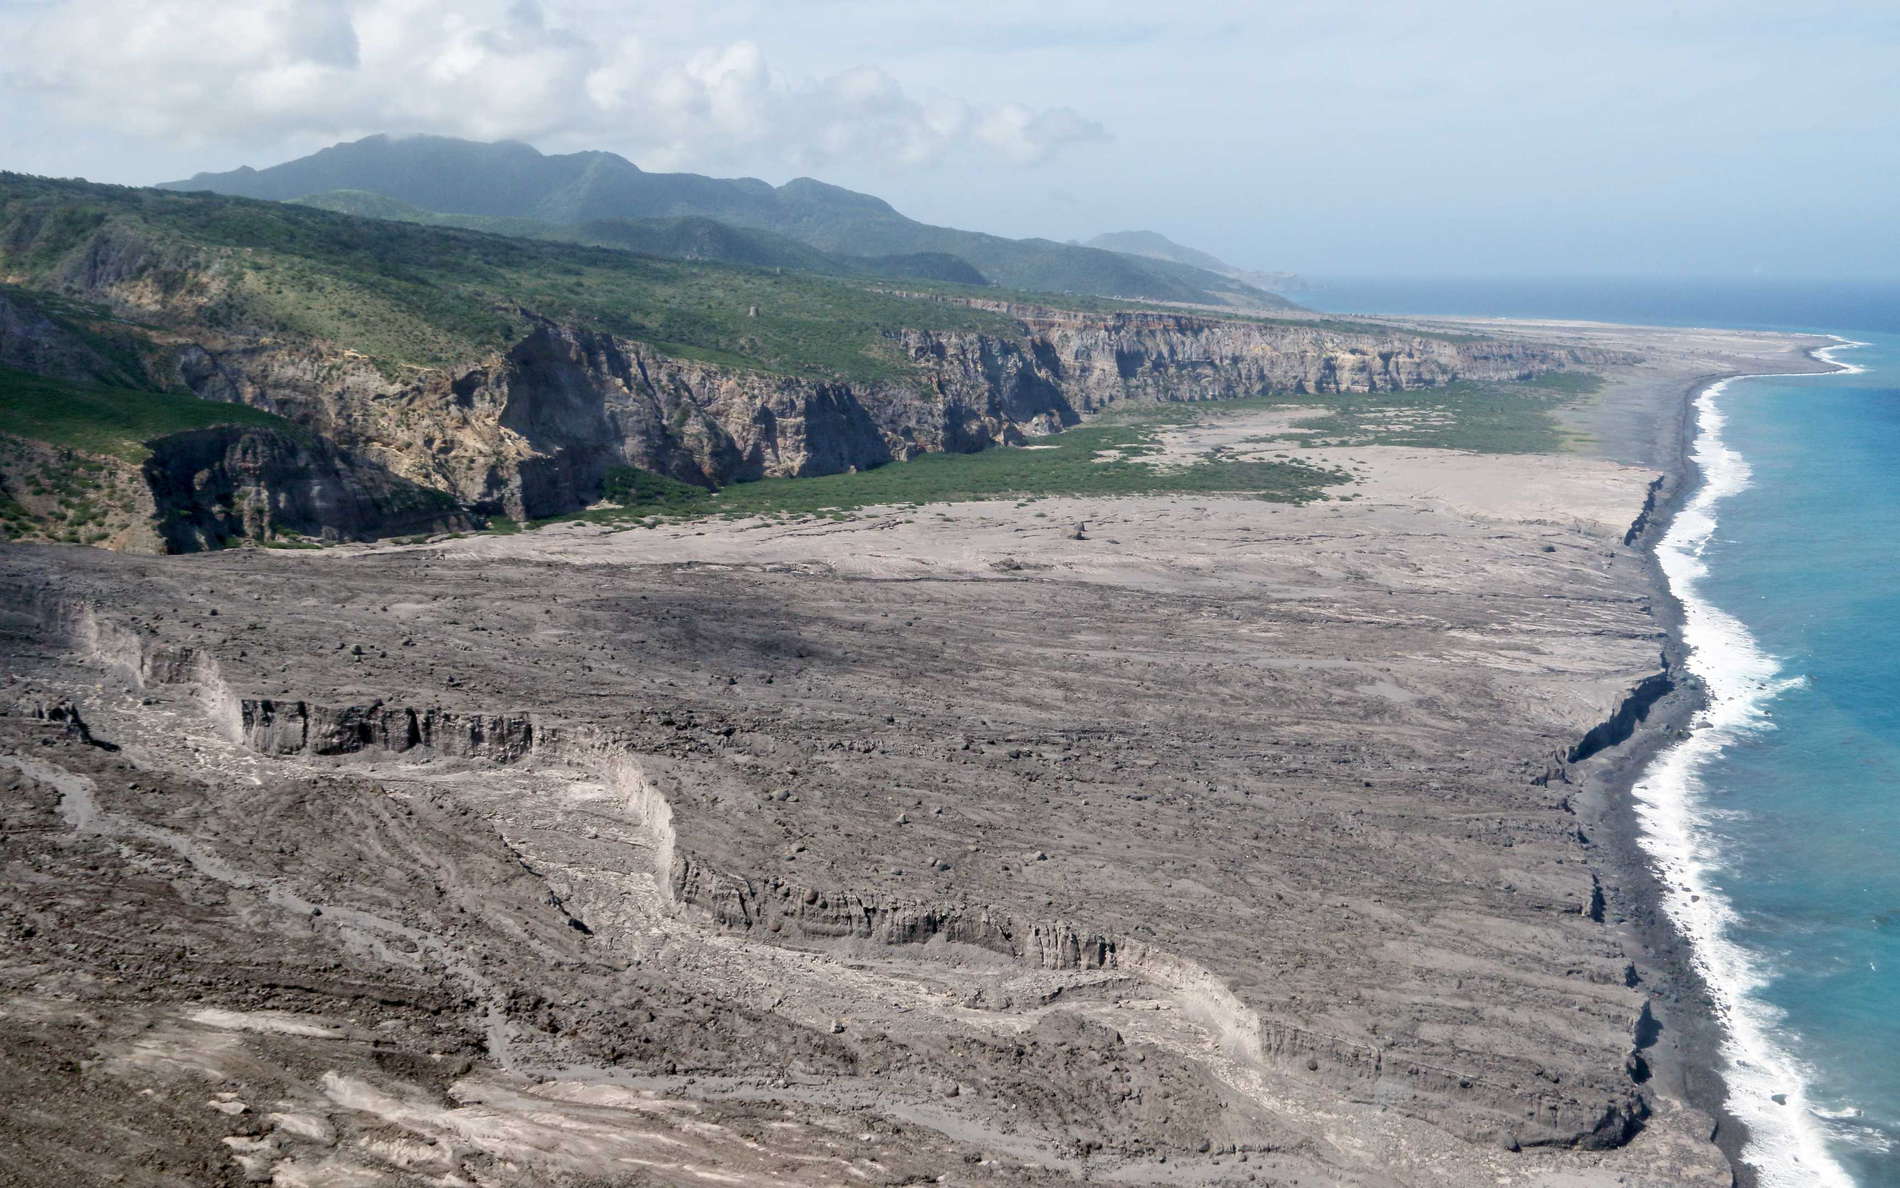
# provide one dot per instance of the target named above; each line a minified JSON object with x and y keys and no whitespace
{"x":211,"y":487}
{"x":208,"y":489}
{"x":531,"y":431}
{"x":508,"y":376}
{"x":97,"y":446}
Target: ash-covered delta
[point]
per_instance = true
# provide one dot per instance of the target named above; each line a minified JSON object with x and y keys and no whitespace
{"x":1223,"y":842}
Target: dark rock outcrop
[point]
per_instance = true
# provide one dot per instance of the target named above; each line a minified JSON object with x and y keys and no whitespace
{"x":1647,"y":516}
{"x":1630,"y":712}
{"x":212,"y":487}
{"x":533,"y":430}
{"x":299,"y":727}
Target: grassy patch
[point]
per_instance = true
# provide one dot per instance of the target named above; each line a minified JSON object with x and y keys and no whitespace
{"x":409,"y":296}
{"x":1486,"y":418}
{"x":1065,"y":464}
{"x":116,"y":422}
{"x":630,"y":486}
{"x":1103,"y":457}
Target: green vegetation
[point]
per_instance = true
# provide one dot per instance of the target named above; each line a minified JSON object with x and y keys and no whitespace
{"x":630,"y":486}
{"x":677,"y":238}
{"x":106,"y":346}
{"x":1487,"y":418}
{"x":408,"y":296}
{"x":1092,"y":460}
{"x":1102,"y":458}
{"x":115,"y":422}
{"x":58,"y":494}
{"x":414,"y":296}
{"x":575,"y":195}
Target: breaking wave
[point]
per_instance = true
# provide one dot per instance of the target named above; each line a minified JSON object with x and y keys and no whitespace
{"x":1767,"y":1085}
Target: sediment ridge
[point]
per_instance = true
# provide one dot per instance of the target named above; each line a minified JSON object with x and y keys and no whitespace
{"x":772,"y":909}
{"x":1225,"y":839}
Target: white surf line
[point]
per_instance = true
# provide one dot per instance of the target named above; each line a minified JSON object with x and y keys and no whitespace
{"x":1826,"y":355}
{"x":1787,"y":1146}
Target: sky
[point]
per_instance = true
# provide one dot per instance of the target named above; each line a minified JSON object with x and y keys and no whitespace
{"x":1329,"y":137}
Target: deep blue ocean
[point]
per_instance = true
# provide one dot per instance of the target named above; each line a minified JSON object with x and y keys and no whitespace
{"x":1779,"y":822}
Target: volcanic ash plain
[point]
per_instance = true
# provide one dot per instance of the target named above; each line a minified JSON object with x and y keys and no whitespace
{"x":1172,"y":840}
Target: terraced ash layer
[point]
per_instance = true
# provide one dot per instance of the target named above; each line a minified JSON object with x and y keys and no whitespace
{"x":1217,"y":841}
{"x":973,"y":859}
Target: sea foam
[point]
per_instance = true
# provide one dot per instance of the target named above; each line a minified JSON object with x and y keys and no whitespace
{"x":1787,"y":1143}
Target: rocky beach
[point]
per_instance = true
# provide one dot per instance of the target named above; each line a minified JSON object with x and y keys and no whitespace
{"x":1159,"y":838}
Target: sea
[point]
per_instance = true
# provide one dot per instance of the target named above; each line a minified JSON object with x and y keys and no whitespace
{"x":1776,"y":823}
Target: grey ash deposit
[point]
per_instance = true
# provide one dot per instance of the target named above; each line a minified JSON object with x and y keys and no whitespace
{"x":1233,"y":842}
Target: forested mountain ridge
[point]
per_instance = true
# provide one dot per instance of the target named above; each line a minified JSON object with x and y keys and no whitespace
{"x":509,"y":180}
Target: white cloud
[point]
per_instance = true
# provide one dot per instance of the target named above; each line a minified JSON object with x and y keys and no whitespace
{"x":265,"y":71}
{"x":1032,"y":136}
{"x":1343,"y":135}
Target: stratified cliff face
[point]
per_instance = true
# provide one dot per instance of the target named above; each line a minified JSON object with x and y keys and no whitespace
{"x":182,"y":491}
{"x":531,"y":431}
{"x":210,"y":487}
{"x":511,"y":376}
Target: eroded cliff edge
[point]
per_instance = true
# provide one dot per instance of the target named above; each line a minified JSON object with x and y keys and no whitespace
{"x":1202,"y":786}
{"x":531,"y":431}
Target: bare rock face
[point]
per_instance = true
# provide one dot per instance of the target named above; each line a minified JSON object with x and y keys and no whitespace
{"x":531,"y":431}
{"x":209,"y":488}
{"x":297,"y":727}
{"x":213,"y":486}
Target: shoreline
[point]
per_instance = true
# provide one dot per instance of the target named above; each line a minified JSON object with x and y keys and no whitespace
{"x":1697,"y":1068}
{"x":1307,"y":771}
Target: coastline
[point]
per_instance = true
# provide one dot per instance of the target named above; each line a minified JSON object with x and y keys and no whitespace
{"x":1307,"y":771}
{"x":1693,"y":1061}
{"x":1698,"y":1062}
{"x":1648,"y":416}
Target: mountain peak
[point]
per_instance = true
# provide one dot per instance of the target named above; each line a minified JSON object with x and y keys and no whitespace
{"x":810,"y":189}
{"x":1156,"y":246}
{"x":512,"y":180}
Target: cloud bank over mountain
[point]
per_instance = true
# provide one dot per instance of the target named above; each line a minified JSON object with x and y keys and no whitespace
{"x":1463,"y":137}
{"x":536,"y":70}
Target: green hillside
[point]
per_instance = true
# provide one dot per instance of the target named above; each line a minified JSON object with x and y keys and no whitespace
{"x":115,"y":422}
{"x":514,"y":181}
{"x":417,"y":296}
{"x":679,"y":238}
{"x":1158,"y":246}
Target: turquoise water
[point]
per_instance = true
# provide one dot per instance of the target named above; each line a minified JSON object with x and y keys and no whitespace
{"x":1804,"y":814}
{"x":1776,"y":825}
